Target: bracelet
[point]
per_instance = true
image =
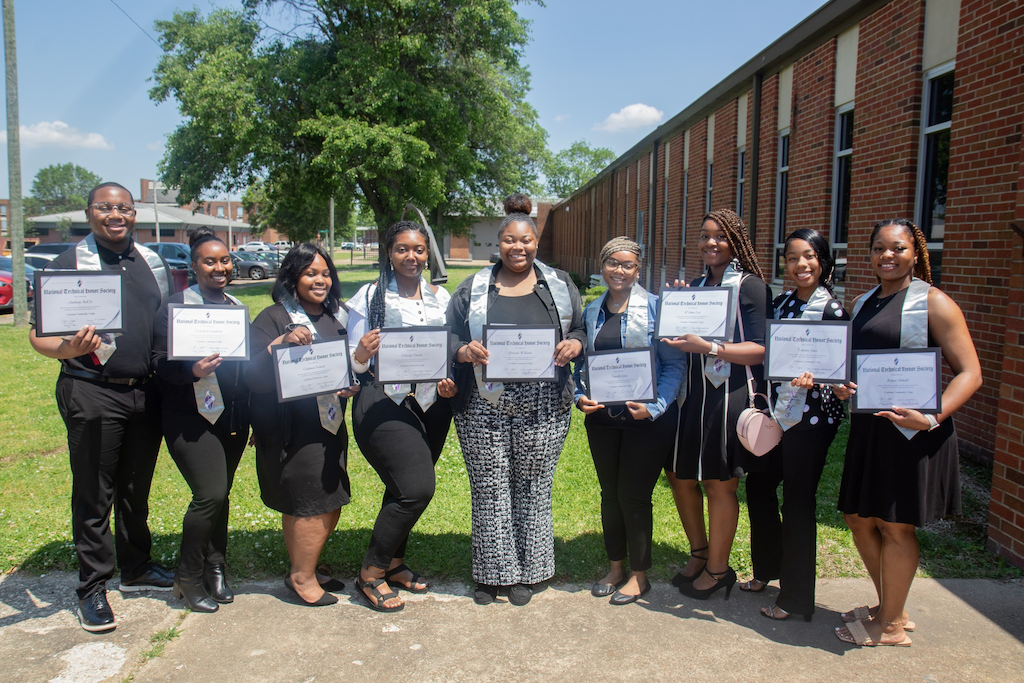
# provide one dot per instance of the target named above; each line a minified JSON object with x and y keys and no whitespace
{"x":714,"y":349}
{"x":933,"y":423}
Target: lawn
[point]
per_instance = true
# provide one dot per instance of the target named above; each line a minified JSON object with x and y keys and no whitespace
{"x":35,"y":483}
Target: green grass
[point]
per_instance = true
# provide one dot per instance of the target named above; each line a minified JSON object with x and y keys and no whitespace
{"x":35,"y":482}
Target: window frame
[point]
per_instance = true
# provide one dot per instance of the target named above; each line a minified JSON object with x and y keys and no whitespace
{"x":709,"y":186}
{"x":741,"y":179}
{"x":781,"y":201}
{"x":839,"y":156}
{"x":934,"y":246}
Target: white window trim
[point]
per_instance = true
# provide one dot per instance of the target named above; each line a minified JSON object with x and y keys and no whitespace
{"x":779,"y":170}
{"x":741,"y":179}
{"x":837,"y":155}
{"x":922,"y":148}
{"x":708,"y":186}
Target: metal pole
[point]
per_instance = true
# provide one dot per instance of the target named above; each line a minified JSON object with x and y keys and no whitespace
{"x":14,"y":169}
{"x":156,"y":215}
{"x":229,"y":222}
{"x":330,"y":227}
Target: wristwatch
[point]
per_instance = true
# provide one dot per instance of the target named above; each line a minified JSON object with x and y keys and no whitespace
{"x":714,"y":349}
{"x":933,"y":423}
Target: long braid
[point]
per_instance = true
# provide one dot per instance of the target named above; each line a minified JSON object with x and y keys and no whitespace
{"x":739,"y":242}
{"x":923,"y":267}
{"x":375,"y":311}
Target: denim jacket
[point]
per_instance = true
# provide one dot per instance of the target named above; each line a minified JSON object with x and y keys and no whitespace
{"x":669,"y":363}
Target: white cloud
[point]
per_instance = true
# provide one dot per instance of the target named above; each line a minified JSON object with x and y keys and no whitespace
{"x":634,"y":116}
{"x":154,"y":146}
{"x":561,"y":117}
{"x":59,"y":134}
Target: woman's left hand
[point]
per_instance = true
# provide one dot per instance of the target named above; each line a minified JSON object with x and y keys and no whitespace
{"x":446,"y":388}
{"x":349,"y":392}
{"x":638,"y":410}
{"x":804,"y":381}
{"x":566,"y":350}
{"x":689,"y":343}
{"x":906,"y":417}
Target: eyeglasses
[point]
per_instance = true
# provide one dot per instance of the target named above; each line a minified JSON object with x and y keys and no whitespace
{"x":104,"y":208}
{"x":627,"y":268}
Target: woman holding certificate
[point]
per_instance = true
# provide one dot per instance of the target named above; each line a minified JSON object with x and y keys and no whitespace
{"x":809,"y":414}
{"x":512,"y":431}
{"x":902,"y":465}
{"x":400,"y":428}
{"x":709,"y":453}
{"x":206,"y":426}
{"x":301,"y":445}
{"x":630,"y":444}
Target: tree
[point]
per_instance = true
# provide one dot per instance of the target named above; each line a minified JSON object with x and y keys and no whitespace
{"x":389,"y":102}
{"x":60,"y":187}
{"x":572,"y":168}
{"x":297,"y":216}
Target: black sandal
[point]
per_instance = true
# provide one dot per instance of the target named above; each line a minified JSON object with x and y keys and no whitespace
{"x":373,"y":585}
{"x":680,"y":578}
{"x":411,"y":586}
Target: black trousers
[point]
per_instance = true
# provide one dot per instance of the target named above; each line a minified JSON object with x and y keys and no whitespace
{"x":786,"y":548}
{"x":207,"y":456}
{"x":113,"y":442}
{"x":402,"y":443}
{"x":629,"y":456}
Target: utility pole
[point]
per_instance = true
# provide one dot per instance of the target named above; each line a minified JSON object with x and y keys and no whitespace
{"x":229,"y":222}
{"x":156,"y":214}
{"x":330,"y":227}
{"x":14,"y":168}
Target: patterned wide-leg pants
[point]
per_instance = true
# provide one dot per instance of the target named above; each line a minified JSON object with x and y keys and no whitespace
{"x":511,"y":450}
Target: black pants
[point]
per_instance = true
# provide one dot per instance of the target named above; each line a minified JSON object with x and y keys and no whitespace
{"x":207,"y":456}
{"x":786,"y":548}
{"x":629,"y":456}
{"x":402,"y":443}
{"x":113,"y":442}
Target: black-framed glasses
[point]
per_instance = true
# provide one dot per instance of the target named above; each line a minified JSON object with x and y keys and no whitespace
{"x":105,"y":208}
{"x":627,"y":268}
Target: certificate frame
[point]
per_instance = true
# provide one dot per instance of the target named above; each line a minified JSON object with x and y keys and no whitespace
{"x":647,"y":352}
{"x":236,"y":311}
{"x":776,"y":352}
{"x":337,"y":347}
{"x":489,"y":329}
{"x":930,"y":355}
{"x":42,"y":277}
{"x":723,"y":332}
{"x":444,"y":334}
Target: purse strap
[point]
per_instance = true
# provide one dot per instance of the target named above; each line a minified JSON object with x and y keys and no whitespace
{"x":751,"y":394}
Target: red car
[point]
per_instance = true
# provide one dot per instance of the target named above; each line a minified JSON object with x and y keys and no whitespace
{"x":7,"y":291}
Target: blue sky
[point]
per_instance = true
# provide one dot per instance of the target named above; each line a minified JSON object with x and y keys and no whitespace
{"x":606,"y":72}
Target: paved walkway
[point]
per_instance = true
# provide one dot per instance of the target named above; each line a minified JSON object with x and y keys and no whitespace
{"x":967,"y":630}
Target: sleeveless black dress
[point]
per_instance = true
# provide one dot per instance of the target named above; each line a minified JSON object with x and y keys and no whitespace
{"x":909,"y":481}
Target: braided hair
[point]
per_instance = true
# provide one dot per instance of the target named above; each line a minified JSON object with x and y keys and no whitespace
{"x":822,"y":252}
{"x":619,"y":244}
{"x":736,"y":235}
{"x":923,"y":267}
{"x":375,"y":309}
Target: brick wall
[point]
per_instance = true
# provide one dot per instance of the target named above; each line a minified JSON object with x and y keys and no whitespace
{"x":723,"y":189}
{"x":695,"y":196}
{"x":768,"y":168}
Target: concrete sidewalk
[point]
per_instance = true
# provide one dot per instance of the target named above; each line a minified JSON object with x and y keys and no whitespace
{"x":967,"y":630}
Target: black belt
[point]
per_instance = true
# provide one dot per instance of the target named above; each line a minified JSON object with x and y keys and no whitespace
{"x":93,"y":377}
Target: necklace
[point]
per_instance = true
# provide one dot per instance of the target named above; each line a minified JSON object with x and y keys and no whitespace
{"x":408,"y":295}
{"x":617,"y":308}
{"x":883,"y":300}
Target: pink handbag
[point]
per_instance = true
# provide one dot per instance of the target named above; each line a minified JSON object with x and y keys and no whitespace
{"x":757,"y":429}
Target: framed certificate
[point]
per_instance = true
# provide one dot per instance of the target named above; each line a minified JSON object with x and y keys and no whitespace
{"x":318,"y":368}
{"x":703,"y":311}
{"x":68,"y":300}
{"x":520,"y":353}
{"x":195,"y":332}
{"x":906,"y":378}
{"x":820,"y":347}
{"x":620,"y":375}
{"x":412,"y":354}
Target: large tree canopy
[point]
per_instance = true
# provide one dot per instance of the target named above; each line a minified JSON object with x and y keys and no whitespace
{"x":60,"y":187}
{"x":572,"y":168}
{"x":390,"y":101}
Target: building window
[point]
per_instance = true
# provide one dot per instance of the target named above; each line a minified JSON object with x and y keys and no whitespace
{"x":686,"y":204}
{"x":741,"y":179}
{"x":3,"y":209}
{"x":841,"y":190}
{"x":3,"y":227}
{"x":707,"y":204}
{"x":934,"y":171}
{"x":220,"y":212}
{"x":238,"y":212}
{"x":782,"y":195}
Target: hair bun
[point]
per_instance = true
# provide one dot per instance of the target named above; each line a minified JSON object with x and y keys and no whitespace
{"x":200,"y":233}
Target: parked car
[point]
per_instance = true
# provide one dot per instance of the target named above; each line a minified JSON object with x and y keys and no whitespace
{"x":282,"y":246}
{"x":37,"y":260}
{"x":257,"y":247}
{"x":7,"y":263}
{"x":348,"y":245}
{"x":53,"y":249}
{"x":274,"y":257}
{"x":253,"y":267}
{"x":7,"y":290}
{"x":177,"y":254}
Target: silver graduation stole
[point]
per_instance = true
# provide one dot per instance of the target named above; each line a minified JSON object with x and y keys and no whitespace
{"x":716,"y":370}
{"x":209,"y":398}
{"x":87,"y":257}
{"x":434,"y":313}
{"x":789,"y":407}
{"x":328,"y":405}
{"x":913,"y":324}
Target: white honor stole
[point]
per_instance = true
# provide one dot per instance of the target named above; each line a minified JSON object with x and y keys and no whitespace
{"x":789,"y":407}
{"x":717,"y":370}
{"x":328,"y":405}
{"x":87,"y":257}
{"x":637,"y":324}
{"x":913,"y":324}
{"x":478,"y":317}
{"x":434,"y":314}
{"x":209,"y":398}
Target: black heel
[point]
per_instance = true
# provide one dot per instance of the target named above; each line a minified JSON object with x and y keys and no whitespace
{"x":216,"y":582}
{"x":194,"y":595}
{"x":726,"y":579}
{"x":680,"y":578}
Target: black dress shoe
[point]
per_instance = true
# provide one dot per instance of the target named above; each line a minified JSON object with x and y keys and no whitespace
{"x":94,"y":613}
{"x":519,"y":594}
{"x":485,"y":594}
{"x":155,"y":578}
{"x":603,"y":590}
{"x":215,"y":580}
{"x":623,"y":599}
{"x":194,"y":595}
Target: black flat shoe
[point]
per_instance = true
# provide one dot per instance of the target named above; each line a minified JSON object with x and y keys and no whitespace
{"x":485,"y":594}
{"x":623,"y":599}
{"x":155,"y":578}
{"x":94,"y":613}
{"x":519,"y":594}
{"x":215,"y":580}
{"x":726,"y":580}
{"x":332,"y":585}
{"x":603,"y":590}
{"x":194,"y":595}
{"x":323,"y":600}
{"x":680,"y":579}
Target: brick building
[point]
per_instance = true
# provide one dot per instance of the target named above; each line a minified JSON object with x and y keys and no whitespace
{"x":863,"y":111}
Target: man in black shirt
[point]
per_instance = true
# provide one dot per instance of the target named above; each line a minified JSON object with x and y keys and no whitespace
{"x":111,"y":410}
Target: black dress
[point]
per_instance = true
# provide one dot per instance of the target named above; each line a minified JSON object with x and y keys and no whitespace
{"x":909,"y":481}
{"x":708,"y":447}
{"x":301,"y":466}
